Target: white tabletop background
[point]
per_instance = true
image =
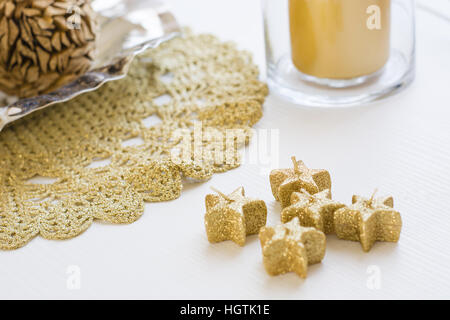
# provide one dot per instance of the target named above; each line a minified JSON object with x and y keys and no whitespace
{"x":400,"y":146}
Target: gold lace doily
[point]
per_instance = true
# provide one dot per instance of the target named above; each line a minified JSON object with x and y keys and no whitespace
{"x":209,"y":83}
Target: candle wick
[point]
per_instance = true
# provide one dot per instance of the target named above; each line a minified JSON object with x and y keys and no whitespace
{"x":222,"y":194}
{"x":294,"y":161}
{"x":373,"y":197}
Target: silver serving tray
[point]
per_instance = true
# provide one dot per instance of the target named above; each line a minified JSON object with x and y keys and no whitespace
{"x":127,"y":28}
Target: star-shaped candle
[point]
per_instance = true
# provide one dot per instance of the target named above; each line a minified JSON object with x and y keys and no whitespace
{"x":286,"y":181}
{"x":312,"y":210}
{"x":368,"y":221}
{"x":291,"y":248}
{"x":233,"y":217}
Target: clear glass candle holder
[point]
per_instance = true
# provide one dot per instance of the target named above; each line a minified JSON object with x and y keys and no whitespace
{"x":331,"y":53}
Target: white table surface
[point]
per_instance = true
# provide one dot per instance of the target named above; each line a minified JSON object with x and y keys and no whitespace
{"x":400,"y":146}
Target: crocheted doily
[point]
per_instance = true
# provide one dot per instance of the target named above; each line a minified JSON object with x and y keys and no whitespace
{"x":188,"y":87}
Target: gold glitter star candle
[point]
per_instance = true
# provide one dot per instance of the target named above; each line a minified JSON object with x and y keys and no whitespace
{"x":368,"y":221}
{"x":291,"y":248}
{"x":312,"y":210}
{"x":233,"y":217}
{"x":286,"y":181}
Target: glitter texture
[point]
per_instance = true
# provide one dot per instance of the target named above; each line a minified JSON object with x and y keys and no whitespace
{"x":291,"y":248}
{"x":368,"y":221}
{"x":233,"y":217}
{"x":211,"y":83}
{"x":286,"y":181}
{"x":312,"y":210}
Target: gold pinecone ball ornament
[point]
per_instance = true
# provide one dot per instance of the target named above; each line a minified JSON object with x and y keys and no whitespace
{"x":44,"y":44}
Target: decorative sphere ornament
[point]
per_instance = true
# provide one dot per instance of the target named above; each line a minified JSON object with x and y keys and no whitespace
{"x":44,"y":44}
